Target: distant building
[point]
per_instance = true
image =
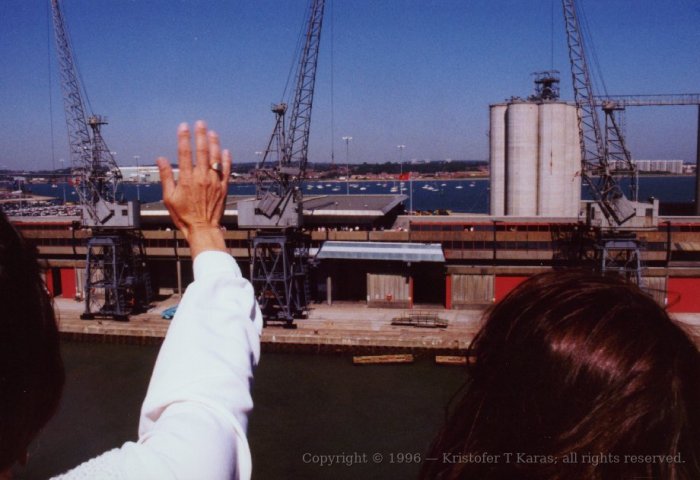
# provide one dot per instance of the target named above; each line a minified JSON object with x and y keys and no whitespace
{"x":149,"y":174}
{"x":666,"y":166}
{"x":142,"y":174}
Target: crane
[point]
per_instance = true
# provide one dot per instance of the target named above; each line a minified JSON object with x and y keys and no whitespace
{"x":279,"y":256}
{"x":604,"y":157}
{"x":621,"y":102}
{"x":115,"y":279}
{"x":597,"y":171}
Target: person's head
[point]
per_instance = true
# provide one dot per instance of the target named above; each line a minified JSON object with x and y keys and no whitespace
{"x":572,"y":362}
{"x":31,"y":370}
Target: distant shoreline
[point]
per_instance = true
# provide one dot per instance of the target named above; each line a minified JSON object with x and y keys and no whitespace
{"x":474,"y":177}
{"x":450,"y":179}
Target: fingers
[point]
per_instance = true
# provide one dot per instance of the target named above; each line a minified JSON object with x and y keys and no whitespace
{"x":167,"y":180}
{"x":225,"y":175}
{"x":214,"y":151}
{"x":207,"y":152}
{"x":184,"y":150}
{"x":227,"y":163}
{"x":201,"y":142}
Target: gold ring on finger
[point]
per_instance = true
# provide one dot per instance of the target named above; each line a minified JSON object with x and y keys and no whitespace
{"x":218,"y":168}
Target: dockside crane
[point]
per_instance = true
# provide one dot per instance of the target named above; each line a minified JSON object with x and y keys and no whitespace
{"x":279,"y":251}
{"x":604,"y":158}
{"x":621,"y":102}
{"x":116,"y":282}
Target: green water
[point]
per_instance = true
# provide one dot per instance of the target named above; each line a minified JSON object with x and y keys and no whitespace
{"x":308,"y":409}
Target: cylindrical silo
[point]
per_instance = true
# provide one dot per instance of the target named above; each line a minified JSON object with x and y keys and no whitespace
{"x":553,"y":181}
{"x":521,"y":159}
{"x":497,"y":159}
{"x":572,"y":162}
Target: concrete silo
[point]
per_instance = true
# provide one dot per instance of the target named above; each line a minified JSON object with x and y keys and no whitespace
{"x":522,"y":142}
{"x":497,"y":159}
{"x":535,"y":159}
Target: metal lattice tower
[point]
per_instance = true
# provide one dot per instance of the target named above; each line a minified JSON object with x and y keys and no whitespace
{"x":117,"y":283}
{"x":279,"y":274}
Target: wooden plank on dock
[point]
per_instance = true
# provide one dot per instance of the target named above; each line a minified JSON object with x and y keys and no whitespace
{"x":450,"y":360}
{"x":382,"y":359}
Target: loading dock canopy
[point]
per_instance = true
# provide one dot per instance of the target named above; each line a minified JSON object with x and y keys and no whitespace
{"x":404,"y":252}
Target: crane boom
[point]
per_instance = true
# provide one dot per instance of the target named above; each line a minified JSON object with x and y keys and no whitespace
{"x":589,"y":125}
{"x":300,"y":121}
{"x":595,"y":150}
{"x":94,"y":169}
{"x":278,"y":203}
{"x":658,"y":100}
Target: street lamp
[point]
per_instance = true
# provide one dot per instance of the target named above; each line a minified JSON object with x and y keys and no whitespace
{"x":138,"y":179}
{"x":401,"y":147}
{"x":347,"y":164}
{"x":62,"y":161}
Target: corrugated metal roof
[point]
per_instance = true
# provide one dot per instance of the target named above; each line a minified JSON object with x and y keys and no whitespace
{"x":404,"y":252}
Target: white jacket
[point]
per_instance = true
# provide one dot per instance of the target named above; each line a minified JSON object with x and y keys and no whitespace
{"x":194,"y":418}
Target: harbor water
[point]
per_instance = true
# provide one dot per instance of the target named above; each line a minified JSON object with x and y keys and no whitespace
{"x":463,"y":196}
{"x":378,"y":419}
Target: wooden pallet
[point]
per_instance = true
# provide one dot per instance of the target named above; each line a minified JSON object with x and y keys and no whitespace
{"x":424,"y":319}
{"x":382,"y":359}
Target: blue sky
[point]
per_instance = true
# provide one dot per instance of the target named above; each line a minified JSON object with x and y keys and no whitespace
{"x":415,"y":72}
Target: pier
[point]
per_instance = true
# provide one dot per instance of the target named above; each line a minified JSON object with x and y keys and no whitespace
{"x":343,"y":328}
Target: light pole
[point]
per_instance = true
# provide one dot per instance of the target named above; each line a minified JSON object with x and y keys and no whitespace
{"x":401,"y":147}
{"x":138,"y":179}
{"x":410,"y":191}
{"x":258,"y":154}
{"x":347,"y":164}
{"x":62,"y":161}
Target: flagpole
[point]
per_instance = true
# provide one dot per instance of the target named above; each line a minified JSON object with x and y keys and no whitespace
{"x":410,"y":194}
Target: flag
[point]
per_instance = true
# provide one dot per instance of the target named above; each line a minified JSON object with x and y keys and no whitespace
{"x":405,"y":176}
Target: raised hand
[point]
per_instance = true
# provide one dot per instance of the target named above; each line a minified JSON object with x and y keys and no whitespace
{"x":196,"y":202}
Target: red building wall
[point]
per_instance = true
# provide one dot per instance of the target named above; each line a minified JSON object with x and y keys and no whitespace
{"x":68,"y":282}
{"x":683,"y":295}
{"x":503,"y":285}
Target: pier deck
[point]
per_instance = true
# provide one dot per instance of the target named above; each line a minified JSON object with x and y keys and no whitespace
{"x":340,"y":328}
{"x":343,"y":327}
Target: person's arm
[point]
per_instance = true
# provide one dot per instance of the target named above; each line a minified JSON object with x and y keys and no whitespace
{"x":194,"y":418}
{"x":195,"y":414}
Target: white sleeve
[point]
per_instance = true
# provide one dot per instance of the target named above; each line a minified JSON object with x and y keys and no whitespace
{"x":194,"y":418}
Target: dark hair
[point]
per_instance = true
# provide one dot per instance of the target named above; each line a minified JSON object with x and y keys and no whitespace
{"x":31,"y":370}
{"x":572,"y":363}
